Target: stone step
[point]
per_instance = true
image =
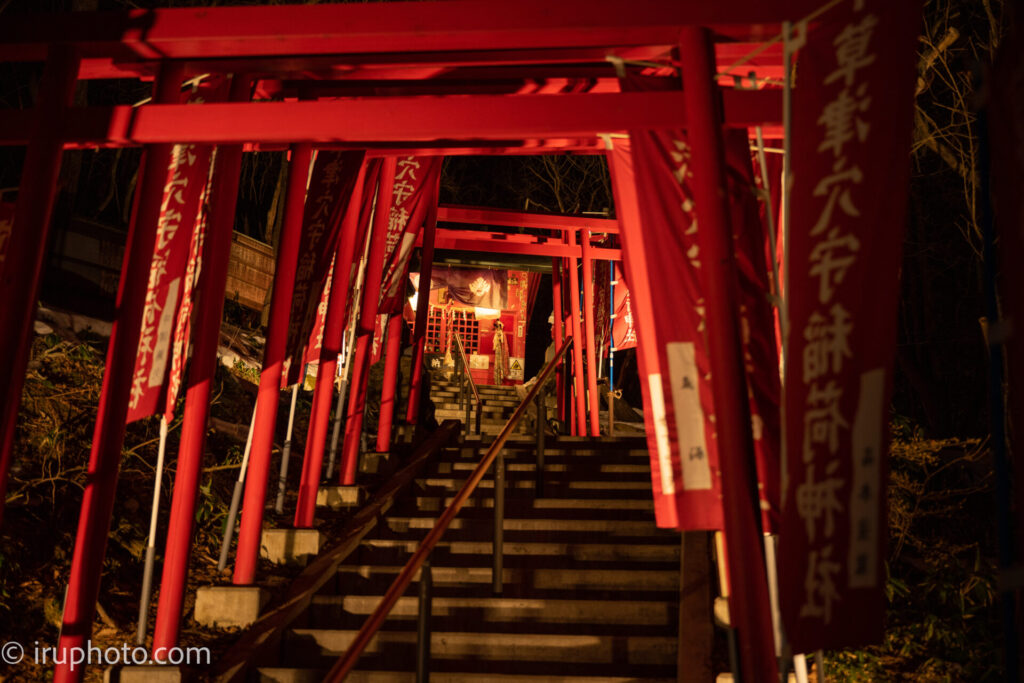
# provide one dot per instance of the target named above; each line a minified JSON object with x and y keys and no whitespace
{"x":283,"y":675}
{"x":304,"y":645}
{"x":522,"y":508}
{"x":513,"y":558}
{"x":573,"y":552}
{"x":524,"y":494}
{"x":595,"y":473}
{"x":575,"y":444}
{"x":606,"y":527}
{"x":555,"y":487}
{"x":628,"y":581}
{"x":435,"y":503}
{"x":500,"y":613}
{"x":576,"y":468}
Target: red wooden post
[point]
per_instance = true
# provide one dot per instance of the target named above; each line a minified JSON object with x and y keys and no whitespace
{"x":251,"y":528}
{"x":577,"y":341}
{"x":334,"y":327}
{"x":23,"y":267}
{"x":392,"y":354}
{"x":588,"y":319}
{"x":751,"y":614}
{"x":367,"y":316}
{"x":419,"y":341}
{"x":556,"y":331}
{"x":356,"y":406}
{"x":214,"y":274}
{"x":108,"y":437}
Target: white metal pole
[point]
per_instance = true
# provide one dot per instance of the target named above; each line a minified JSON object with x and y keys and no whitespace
{"x":282,"y":479}
{"x":236,"y":499}
{"x":147,"y":574}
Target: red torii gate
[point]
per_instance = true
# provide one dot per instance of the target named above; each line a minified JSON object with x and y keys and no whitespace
{"x":370,"y":48}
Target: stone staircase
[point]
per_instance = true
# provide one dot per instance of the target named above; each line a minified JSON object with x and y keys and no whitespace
{"x":590,"y":590}
{"x":499,"y":402}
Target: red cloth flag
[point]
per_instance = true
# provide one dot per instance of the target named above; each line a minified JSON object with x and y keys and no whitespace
{"x":380,"y":333}
{"x":623,"y":327}
{"x":183,"y":325}
{"x":417,"y":180}
{"x":316,"y":335}
{"x":678,"y":405}
{"x":164,"y":331}
{"x":757,"y":322}
{"x":330,"y":190}
{"x":852,"y":112}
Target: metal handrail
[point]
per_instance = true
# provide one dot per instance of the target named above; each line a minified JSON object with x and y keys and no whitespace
{"x":373,"y":623}
{"x":472,"y":384}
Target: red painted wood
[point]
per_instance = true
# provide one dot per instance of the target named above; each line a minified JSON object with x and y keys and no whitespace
{"x":265,"y":422}
{"x":108,"y":437}
{"x":572,"y":273}
{"x":588,"y":323}
{"x":557,"y":332}
{"x":751,"y":614}
{"x":334,"y":328}
{"x":524,"y":219}
{"x":26,"y":249}
{"x":372,"y":28}
{"x":364,"y":332}
{"x":422,"y":309}
{"x":392,"y":354}
{"x":394,"y":119}
{"x":214,"y":275}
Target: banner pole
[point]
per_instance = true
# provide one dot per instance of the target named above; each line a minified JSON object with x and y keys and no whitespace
{"x":236,"y":499}
{"x":147,"y":572}
{"x":286,"y":451}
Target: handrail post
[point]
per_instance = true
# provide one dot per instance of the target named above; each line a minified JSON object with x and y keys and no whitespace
{"x":469,"y":398}
{"x":497,"y":569}
{"x":423,"y":633}
{"x":479,"y":414}
{"x":542,"y":419}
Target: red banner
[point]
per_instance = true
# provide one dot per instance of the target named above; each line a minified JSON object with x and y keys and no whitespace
{"x":678,"y":406}
{"x":757,"y":322}
{"x":6,"y":224}
{"x":415,"y":191}
{"x":380,"y":332}
{"x":623,"y":327}
{"x":316,"y":335}
{"x":183,"y":325}
{"x":330,"y":189}
{"x":852,"y":112}
{"x":169,"y":282}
